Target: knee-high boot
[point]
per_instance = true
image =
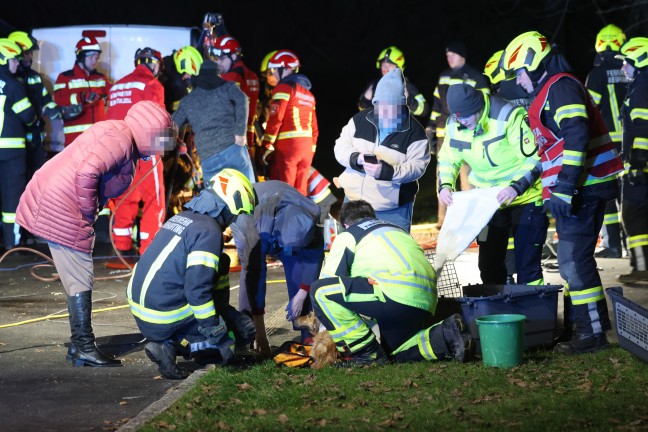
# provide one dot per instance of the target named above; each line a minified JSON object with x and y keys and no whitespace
{"x":84,"y":350}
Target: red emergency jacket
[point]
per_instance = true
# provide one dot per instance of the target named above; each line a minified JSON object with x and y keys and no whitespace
{"x":72,"y":87}
{"x":248,"y":81}
{"x":292,"y":115}
{"x":137,"y":86}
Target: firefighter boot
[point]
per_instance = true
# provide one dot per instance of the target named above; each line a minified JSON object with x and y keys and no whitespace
{"x":164,"y":355}
{"x":568,"y":324}
{"x":85,"y":351}
{"x":457,"y":338}
{"x":583,"y":343}
{"x":372,"y":354}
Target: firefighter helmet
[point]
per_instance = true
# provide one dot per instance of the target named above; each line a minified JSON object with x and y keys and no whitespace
{"x":635,"y":52}
{"x":86,"y":45}
{"x":225,"y":45}
{"x":266,"y":60}
{"x":187,"y":60}
{"x":526,"y":51}
{"x":24,"y":40}
{"x":235,"y":189}
{"x":493,"y":70}
{"x":611,"y":37}
{"x":147,"y":55}
{"x":284,"y":59}
{"x":8,"y":50}
{"x":392,"y":55}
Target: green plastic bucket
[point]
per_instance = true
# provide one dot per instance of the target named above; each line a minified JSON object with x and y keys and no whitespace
{"x":502,"y":339}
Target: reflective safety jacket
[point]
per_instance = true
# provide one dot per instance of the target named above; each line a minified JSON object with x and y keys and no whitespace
{"x":318,"y":186}
{"x":635,"y":123}
{"x":40,"y":99}
{"x":464,"y":75}
{"x":392,"y":260}
{"x":72,"y":87}
{"x":16,"y":111}
{"x":607,"y":84}
{"x":248,"y":81}
{"x":292,"y":114}
{"x":174,"y":280}
{"x":573,"y":142}
{"x":137,"y":86}
{"x":500,"y":151}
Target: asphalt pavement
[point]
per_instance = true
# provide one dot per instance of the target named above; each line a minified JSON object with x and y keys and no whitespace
{"x":39,"y":390}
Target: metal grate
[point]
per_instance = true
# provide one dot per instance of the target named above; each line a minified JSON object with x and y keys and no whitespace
{"x":448,"y":284}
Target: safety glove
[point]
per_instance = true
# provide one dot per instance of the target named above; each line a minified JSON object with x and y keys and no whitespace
{"x":89,"y":97}
{"x":71,"y":112}
{"x":296,"y":304}
{"x":560,"y":203}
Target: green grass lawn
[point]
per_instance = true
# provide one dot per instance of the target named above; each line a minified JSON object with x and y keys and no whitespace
{"x":603,"y":391}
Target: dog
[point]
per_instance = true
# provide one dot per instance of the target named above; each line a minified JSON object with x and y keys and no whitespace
{"x":323,"y":351}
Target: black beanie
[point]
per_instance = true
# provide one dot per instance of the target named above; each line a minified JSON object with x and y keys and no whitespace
{"x":457,"y":47}
{"x":463,"y":100}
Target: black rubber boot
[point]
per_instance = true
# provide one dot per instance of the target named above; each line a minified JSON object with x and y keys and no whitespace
{"x":72,"y":348}
{"x":85,"y":352}
{"x":568,"y":325}
{"x":164,"y":355}
{"x":582,"y":344}
{"x":458,"y":338}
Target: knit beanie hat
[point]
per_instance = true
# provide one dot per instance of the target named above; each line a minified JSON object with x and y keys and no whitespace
{"x":463,"y":100}
{"x":390,"y":88}
{"x":209,"y":67}
{"x":457,"y":47}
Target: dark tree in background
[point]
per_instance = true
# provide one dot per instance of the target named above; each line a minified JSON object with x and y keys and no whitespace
{"x":337,"y":41}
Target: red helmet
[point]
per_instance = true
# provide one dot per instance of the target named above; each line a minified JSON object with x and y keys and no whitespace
{"x":225,"y":45}
{"x":85,"y":45}
{"x":284,"y":59}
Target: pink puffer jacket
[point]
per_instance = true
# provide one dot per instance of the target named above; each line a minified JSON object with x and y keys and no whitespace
{"x":62,"y":200}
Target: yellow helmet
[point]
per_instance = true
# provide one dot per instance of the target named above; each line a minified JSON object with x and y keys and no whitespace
{"x":24,"y":40}
{"x":635,"y":52}
{"x":187,"y":60}
{"x":611,"y":37}
{"x":266,"y":60}
{"x":392,"y":55}
{"x":8,"y":50}
{"x":235,"y":189}
{"x":526,"y":51}
{"x":493,"y":70}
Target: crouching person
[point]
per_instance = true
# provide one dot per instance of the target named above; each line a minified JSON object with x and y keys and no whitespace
{"x":179,"y":291}
{"x":377,"y":270}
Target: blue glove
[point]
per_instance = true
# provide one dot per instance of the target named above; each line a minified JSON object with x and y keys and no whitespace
{"x":560,"y":205}
{"x":226,"y":348}
{"x":214,"y":334}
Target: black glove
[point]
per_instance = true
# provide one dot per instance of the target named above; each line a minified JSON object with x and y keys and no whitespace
{"x":89,"y":97}
{"x":214,"y":334}
{"x":560,"y":205}
{"x":53,"y":113}
{"x":71,"y":112}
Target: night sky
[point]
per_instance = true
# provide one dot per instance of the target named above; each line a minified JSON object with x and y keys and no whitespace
{"x":338,"y":41}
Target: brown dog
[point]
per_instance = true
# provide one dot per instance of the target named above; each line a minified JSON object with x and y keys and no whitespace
{"x":323,"y":350}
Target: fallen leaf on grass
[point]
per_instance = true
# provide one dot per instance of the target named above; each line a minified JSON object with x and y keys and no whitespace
{"x":259,"y":411}
{"x":224,"y":426}
{"x":409,"y":383}
{"x":614,"y":421}
{"x":165,"y":425}
{"x":587,"y":386}
{"x":398,"y":415}
{"x":244,"y":386}
{"x":283,"y":418}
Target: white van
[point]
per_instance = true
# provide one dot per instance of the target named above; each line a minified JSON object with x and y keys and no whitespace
{"x":118,"y":45}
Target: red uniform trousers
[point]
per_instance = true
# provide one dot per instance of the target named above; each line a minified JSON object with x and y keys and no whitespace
{"x":291,"y":162}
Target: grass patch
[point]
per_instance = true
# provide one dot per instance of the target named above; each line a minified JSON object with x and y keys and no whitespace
{"x":602,"y":391}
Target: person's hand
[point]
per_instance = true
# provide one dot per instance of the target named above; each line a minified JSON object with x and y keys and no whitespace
{"x":296,"y":304}
{"x":89,"y":97}
{"x":506,"y":196}
{"x":71,"y":112}
{"x":261,"y":343}
{"x":560,"y":205}
{"x":264,"y":158}
{"x":445,"y":196}
{"x":240,"y":140}
{"x":360,"y":160}
{"x":214,"y":334}
{"x":372,"y":170}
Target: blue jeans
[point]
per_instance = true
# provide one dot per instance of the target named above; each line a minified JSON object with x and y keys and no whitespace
{"x":400,"y":216}
{"x":234,"y":156}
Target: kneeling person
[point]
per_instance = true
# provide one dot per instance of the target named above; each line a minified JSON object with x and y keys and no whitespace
{"x":378,"y":270}
{"x":179,"y":291}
